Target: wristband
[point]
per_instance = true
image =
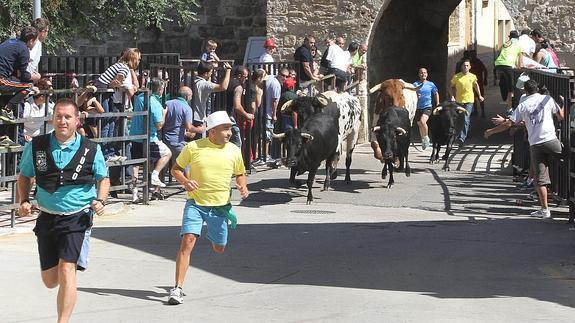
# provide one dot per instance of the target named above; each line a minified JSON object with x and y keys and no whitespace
{"x":101,"y":201}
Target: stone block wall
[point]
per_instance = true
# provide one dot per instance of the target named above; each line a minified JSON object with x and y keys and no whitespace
{"x":555,"y":18}
{"x":229,"y":22}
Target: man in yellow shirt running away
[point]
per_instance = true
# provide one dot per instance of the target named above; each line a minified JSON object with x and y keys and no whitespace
{"x":212,"y":162}
{"x":462,"y":86}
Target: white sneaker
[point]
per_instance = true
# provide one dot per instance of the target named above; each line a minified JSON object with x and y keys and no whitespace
{"x":176,"y":296}
{"x":157,"y":182}
{"x":425,"y":142}
{"x":542,"y":213}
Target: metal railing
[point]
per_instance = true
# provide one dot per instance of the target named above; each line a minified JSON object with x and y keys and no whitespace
{"x":10,"y":157}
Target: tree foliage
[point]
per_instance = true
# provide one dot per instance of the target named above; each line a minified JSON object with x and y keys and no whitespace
{"x":94,"y":19}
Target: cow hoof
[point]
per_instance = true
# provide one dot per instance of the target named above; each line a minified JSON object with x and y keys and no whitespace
{"x":348,"y":180}
{"x":407,"y":172}
{"x":447,"y":169}
{"x":308,"y":202}
{"x":444,"y":157}
{"x":389,"y":185}
{"x":296,"y":184}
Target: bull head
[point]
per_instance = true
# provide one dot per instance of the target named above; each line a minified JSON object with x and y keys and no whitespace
{"x":437,"y":109}
{"x":462,"y":110}
{"x":375,"y":89}
{"x":400,"y":131}
{"x":286,"y":107}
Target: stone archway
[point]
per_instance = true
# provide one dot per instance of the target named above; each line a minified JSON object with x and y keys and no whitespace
{"x":400,"y":43}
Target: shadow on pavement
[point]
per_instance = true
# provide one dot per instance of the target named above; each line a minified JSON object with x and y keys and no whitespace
{"x":443,"y":259}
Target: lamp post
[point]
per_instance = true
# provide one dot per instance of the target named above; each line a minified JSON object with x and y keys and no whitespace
{"x":37,"y":4}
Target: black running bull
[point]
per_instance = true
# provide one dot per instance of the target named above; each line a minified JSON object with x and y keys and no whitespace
{"x":393,"y":136}
{"x":445,"y":124}
{"x":308,"y":146}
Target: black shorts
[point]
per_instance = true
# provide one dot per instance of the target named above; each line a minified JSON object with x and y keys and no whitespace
{"x":64,"y":237}
{"x":505,"y":75}
{"x":137,"y":150}
{"x":420,"y":112}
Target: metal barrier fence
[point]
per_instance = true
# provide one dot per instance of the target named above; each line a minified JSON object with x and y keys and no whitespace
{"x":10,"y":156}
{"x":64,"y":69}
{"x":562,"y":172}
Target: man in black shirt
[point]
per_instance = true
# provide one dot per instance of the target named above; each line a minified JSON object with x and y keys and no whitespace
{"x":303,"y":55}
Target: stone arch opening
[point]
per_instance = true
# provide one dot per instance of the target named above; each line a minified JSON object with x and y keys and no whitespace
{"x":400,"y":43}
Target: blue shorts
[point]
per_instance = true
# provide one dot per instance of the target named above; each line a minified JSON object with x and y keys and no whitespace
{"x":193,"y":220}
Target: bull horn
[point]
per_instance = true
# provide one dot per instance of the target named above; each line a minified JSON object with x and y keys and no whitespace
{"x":278,"y":135}
{"x":322,"y":100}
{"x":437,"y":109}
{"x":401,"y":130}
{"x":376,"y":128}
{"x":286,"y":106}
{"x":460,"y":109}
{"x":375,"y":89}
{"x":306,"y":135}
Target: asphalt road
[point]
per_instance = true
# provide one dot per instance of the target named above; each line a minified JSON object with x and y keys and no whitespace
{"x":437,"y":247}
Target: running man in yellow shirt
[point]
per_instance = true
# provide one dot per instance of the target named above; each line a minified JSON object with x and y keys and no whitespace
{"x":462,"y":86}
{"x":212,"y":162}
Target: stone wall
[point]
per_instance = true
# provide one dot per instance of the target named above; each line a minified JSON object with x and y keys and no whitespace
{"x":229,"y":22}
{"x":290,"y":21}
{"x":556,"y":18}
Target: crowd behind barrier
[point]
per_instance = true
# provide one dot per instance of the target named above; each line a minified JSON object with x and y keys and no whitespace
{"x":561,"y":172}
{"x":70,"y":72}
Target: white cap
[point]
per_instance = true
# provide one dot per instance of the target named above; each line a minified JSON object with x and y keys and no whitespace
{"x":217,"y":118}
{"x":521,"y":81}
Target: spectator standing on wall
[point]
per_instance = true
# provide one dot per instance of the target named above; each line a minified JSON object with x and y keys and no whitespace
{"x":338,"y":62}
{"x":509,"y":58}
{"x":304,"y":57}
{"x":14,"y":58}
{"x":269,"y":47}
{"x":43,"y":27}
{"x":527,"y":43}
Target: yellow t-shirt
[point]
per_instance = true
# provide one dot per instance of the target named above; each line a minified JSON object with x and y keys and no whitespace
{"x":212,"y":166}
{"x":463,"y":84}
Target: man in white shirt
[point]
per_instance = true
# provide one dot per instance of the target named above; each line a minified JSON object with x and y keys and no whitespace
{"x":536,"y":111}
{"x":42,"y":25}
{"x":338,"y":62}
{"x":527,"y":43}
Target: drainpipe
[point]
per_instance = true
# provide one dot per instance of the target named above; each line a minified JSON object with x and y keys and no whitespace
{"x":37,"y":4}
{"x":474,"y":5}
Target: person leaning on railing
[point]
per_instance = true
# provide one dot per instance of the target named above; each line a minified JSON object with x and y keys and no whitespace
{"x":536,"y":110}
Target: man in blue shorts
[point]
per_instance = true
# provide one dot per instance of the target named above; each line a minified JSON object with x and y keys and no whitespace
{"x":426,"y":95}
{"x":72,"y":181}
{"x":212,"y":162}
